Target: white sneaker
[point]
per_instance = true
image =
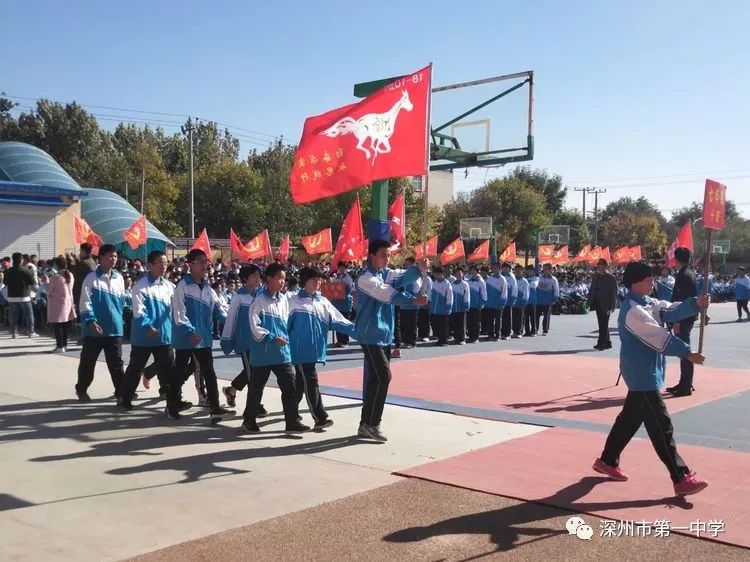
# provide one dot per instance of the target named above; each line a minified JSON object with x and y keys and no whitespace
{"x":33,"y":335}
{"x":58,"y":350}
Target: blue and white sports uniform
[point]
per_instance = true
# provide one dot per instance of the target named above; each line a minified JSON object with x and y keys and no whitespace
{"x":152,"y":308}
{"x":194,"y":308}
{"x":310,"y":319}
{"x":102,"y":302}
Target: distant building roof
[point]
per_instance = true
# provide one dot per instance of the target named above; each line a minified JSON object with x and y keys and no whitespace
{"x":109,"y":215}
{"x":21,"y":162}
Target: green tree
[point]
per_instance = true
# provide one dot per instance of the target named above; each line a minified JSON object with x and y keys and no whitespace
{"x":551,"y":186}
{"x":640,"y":206}
{"x":627,"y":228}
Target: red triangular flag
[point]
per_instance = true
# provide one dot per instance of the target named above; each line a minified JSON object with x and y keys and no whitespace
{"x":351,"y":238}
{"x":136,"y":234}
{"x":284,"y":249}
{"x":383,"y":136}
{"x":202,"y":243}
{"x":397,"y":218}
{"x":684,"y":239}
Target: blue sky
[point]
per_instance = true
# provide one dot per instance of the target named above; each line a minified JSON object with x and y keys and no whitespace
{"x":644,"y":98}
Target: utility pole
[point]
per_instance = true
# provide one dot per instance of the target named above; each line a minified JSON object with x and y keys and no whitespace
{"x":143,"y":186}
{"x":596,"y":191}
{"x":188,"y":130}
{"x":126,"y":190}
{"x":583,"y":191}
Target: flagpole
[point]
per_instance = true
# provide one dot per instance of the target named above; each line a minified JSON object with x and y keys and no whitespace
{"x":426,"y":187}
{"x":706,"y":272}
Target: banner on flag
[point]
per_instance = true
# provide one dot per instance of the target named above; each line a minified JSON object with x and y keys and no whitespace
{"x":481,"y":252}
{"x":452,"y":251}
{"x":318,"y":243}
{"x":136,"y":234}
{"x":431,"y":248}
{"x":380,"y":137}
{"x":714,"y":205}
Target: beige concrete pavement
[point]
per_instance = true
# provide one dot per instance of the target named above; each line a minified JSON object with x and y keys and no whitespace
{"x":84,"y":482}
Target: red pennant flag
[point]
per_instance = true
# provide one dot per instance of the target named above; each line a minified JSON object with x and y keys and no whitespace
{"x":481,"y":252}
{"x":546,"y":253}
{"x":635,"y":253}
{"x":621,"y":255}
{"x":452,"y":251}
{"x":684,"y":239}
{"x":714,"y":205}
{"x":595,"y":254}
{"x":431,"y":248}
{"x":83,"y":233}
{"x":284,"y":249}
{"x":383,"y":136}
{"x":202,"y":243}
{"x":397,"y":218}
{"x":136,"y":234}
{"x":320,"y":243}
{"x":235,"y":245}
{"x":605,"y":254}
{"x":560,"y":256}
{"x":258,"y":247}
{"x":352,"y":236}
{"x":509,"y":254}
{"x":583,"y":253}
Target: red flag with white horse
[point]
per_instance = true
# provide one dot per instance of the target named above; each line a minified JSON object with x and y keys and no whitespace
{"x":383,"y":136}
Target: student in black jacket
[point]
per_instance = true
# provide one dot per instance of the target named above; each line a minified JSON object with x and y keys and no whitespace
{"x":20,"y":282}
{"x":684,"y":288}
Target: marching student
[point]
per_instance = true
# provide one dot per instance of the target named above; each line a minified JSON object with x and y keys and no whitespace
{"x":346,"y":305}
{"x":423,"y":316}
{"x":547,"y":294}
{"x":486,"y":315}
{"x":409,"y":313}
{"x":376,"y":296}
{"x":101,"y":306}
{"x":512,"y":290}
{"x":685,"y":286}
{"x":497,"y":297}
{"x":269,"y":351}
{"x":664,"y":285}
{"x":236,"y":334}
{"x":644,"y":343}
{"x":441,"y":303}
{"x":521,"y":302}
{"x":742,"y":292}
{"x":461,"y":302}
{"x":195,"y":306}
{"x":151,"y":327}
{"x":477,"y":302}
{"x":531,"y":320}
{"x":311,"y":316}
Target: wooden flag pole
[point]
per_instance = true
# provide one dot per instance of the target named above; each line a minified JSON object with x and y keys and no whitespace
{"x":706,"y":271}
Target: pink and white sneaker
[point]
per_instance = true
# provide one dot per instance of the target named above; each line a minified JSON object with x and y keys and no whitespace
{"x":690,"y":484}
{"x":613,"y":472}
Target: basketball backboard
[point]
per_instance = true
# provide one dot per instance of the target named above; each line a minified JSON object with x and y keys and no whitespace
{"x":471,"y":127}
{"x":476,"y":228}
{"x":555,"y":234}
{"x":721,"y":247}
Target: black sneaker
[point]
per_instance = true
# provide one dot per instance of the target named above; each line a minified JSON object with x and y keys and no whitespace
{"x":162,"y":395}
{"x":172,"y":415}
{"x":83,"y":396}
{"x":328,"y":422}
{"x":184,"y":405}
{"x":296,"y":427}
{"x":262,"y":412}
{"x":371,"y":432}
{"x":672,"y":389}
{"x":250,"y":427}
{"x":230,"y":396}
{"x":682,"y":392}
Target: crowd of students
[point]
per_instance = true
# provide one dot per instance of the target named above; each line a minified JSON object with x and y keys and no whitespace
{"x":278,"y":323}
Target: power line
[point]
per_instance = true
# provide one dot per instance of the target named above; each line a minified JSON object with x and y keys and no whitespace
{"x":629,"y":178}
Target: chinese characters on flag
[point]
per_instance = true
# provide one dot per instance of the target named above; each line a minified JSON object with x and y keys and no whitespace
{"x":714,"y":205}
{"x":452,"y":251}
{"x":319,"y":243}
{"x":431,"y":245}
{"x":136,"y":234}
{"x":481,"y":252}
{"x":383,"y":136}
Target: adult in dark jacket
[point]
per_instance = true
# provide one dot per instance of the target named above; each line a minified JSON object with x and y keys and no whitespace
{"x":80,"y":267}
{"x":684,"y":288}
{"x":20,"y":281}
{"x":603,"y":299}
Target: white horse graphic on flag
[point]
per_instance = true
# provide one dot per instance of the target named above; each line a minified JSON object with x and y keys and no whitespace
{"x":377,"y":127}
